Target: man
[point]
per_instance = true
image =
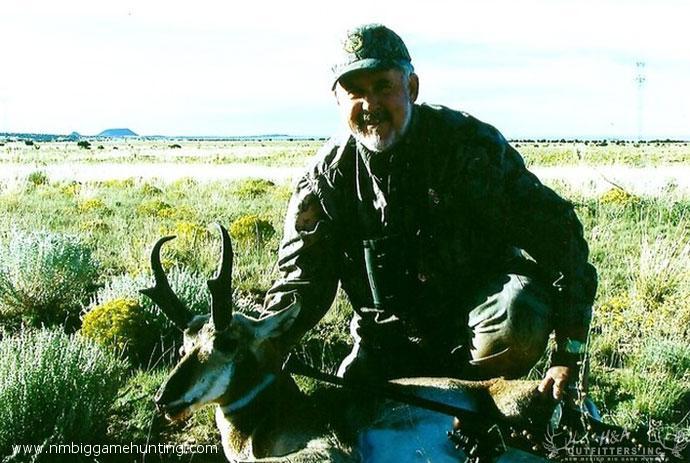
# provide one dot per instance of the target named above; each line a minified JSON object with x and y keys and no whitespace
{"x":456,"y":259}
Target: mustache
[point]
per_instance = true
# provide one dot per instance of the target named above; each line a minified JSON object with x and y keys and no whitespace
{"x":373,"y":117}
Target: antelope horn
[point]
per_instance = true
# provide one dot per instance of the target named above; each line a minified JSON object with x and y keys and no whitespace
{"x":162,"y":294}
{"x":221,"y":285}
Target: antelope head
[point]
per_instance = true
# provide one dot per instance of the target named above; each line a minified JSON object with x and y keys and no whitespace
{"x":228,"y":358}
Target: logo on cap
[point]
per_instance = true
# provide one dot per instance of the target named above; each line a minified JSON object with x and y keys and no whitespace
{"x":354,"y":43}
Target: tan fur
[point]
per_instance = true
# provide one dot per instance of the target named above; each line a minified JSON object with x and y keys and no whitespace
{"x":262,"y":415}
{"x":281,"y":424}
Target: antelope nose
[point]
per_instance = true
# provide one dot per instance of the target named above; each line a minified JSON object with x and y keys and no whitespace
{"x":169,"y":402}
{"x":173,"y":409}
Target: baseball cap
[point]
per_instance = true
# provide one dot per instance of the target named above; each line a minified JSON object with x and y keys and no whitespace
{"x":371,"y":46}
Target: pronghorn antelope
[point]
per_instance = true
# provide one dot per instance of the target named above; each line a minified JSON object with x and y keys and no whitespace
{"x":230,"y":360}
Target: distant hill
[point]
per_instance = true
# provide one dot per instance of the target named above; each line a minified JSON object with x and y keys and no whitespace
{"x":117,"y":133}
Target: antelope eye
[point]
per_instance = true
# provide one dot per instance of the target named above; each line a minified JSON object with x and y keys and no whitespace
{"x":225,"y":343}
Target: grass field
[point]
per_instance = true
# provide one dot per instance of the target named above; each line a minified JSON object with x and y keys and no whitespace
{"x":296,"y":153}
{"x":640,"y":342}
{"x":270,"y":153}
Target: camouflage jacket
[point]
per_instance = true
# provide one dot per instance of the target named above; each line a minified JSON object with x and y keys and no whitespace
{"x":459,"y":203}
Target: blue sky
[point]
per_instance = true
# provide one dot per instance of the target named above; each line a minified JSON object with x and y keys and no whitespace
{"x":531,"y":68}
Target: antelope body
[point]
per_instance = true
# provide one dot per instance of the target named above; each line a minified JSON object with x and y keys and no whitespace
{"x":231,"y":359}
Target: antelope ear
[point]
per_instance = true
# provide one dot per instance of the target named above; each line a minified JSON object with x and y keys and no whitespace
{"x":274,"y":325}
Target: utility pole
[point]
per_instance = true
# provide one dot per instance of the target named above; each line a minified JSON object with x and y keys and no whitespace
{"x":640,"y":78}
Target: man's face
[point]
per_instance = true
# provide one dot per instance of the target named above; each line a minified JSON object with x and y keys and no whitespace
{"x":377,"y":105}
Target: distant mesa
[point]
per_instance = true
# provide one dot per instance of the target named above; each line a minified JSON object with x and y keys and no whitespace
{"x":116,"y":133}
{"x":74,"y":136}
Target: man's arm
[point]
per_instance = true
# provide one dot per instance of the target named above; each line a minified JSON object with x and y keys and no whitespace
{"x":546,"y":226}
{"x":308,"y":261}
{"x":534,"y":218}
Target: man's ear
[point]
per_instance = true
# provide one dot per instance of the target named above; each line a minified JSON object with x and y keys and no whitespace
{"x":413,"y":87}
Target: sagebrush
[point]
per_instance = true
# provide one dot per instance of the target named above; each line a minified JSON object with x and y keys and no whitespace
{"x":45,"y":277}
{"x":55,"y":388}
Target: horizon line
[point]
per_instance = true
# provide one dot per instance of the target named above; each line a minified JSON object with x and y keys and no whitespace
{"x":260,"y":136}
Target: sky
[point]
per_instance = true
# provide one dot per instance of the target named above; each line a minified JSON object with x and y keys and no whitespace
{"x":533,"y":69}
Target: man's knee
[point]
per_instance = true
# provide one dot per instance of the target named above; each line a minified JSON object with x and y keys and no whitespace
{"x":380,"y":358}
{"x":510,"y":329}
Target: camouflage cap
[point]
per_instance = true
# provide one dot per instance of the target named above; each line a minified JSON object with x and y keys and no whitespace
{"x":371,"y":46}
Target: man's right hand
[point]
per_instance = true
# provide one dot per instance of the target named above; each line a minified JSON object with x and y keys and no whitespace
{"x":556,"y":381}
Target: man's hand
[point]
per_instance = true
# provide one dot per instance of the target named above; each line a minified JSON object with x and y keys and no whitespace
{"x":555,"y":381}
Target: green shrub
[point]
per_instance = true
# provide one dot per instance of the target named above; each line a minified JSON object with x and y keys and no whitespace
{"x":94,"y":205}
{"x":55,"y":389}
{"x":618,"y":196}
{"x":123,"y":324}
{"x":155,"y":208}
{"x":94,"y":226}
{"x":70,"y":189}
{"x":45,"y":278}
{"x":252,"y":188}
{"x":662,"y":271}
{"x":160,"y":335}
{"x":667,"y":356}
{"x":251,"y":229}
{"x":190,"y":239}
{"x":190,"y":288}
{"x":283,"y":193}
{"x":148,"y":189}
{"x":184,"y":184}
{"x":118,"y":184}
{"x":657,"y":384}
{"x":189,"y":232}
{"x":122,"y":293}
{"x":37,"y":178}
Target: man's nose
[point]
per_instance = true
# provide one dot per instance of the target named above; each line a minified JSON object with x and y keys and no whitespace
{"x":370,"y":102}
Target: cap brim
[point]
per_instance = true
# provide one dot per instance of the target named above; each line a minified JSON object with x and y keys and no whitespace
{"x":370,"y":64}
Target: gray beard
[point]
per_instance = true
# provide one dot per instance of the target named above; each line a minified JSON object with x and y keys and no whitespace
{"x":376,"y":144}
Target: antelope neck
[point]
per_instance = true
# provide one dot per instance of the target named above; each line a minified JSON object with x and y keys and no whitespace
{"x":249,"y":397}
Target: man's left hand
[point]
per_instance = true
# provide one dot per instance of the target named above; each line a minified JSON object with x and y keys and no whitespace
{"x":555,"y":381}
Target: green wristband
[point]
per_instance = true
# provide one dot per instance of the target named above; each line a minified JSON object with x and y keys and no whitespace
{"x":573,"y":346}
